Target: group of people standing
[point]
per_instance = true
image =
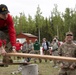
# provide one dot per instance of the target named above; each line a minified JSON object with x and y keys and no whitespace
{"x":66,"y":49}
{"x":31,"y":47}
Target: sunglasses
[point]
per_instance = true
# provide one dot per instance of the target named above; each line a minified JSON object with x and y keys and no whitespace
{"x":69,"y":35}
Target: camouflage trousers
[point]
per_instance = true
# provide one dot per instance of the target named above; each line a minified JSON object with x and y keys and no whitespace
{"x":36,"y":52}
{"x":55,"y":53}
{"x":4,"y":36}
{"x":46,"y":52}
{"x":67,"y":72}
{"x":8,"y":47}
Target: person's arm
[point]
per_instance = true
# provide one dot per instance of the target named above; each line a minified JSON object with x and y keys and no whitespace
{"x":11,"y":32}
{"x":73,"y":65}
{"x":32,"y":46}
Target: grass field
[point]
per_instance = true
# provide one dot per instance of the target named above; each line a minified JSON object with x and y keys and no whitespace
{"x":45,"y":68}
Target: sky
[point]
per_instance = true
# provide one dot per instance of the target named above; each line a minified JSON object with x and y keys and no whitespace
{"x":29,"y":7}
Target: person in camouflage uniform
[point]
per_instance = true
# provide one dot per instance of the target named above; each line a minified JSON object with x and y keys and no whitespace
{"x":67,"y":49}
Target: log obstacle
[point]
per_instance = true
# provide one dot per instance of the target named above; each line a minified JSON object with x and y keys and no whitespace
{"x":70,"y":59}
{"x":32,"y":69}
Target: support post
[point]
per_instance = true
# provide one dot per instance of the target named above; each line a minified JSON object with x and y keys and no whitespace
{"x":31,"y":69}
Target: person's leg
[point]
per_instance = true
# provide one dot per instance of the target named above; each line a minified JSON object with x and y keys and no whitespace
{"x":7,"y":46}
{"x":72,"y":72}
{"x":54,"y":53}
{"x":28,"y":59}
{"x":36,"y":52}
{"x":45,"y":54}
{"x":39,"y":58}
{"x":2,"y":37}
{"x":62,"y":72}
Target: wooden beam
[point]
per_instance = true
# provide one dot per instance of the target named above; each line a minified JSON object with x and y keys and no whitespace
{"x":42,"y":56}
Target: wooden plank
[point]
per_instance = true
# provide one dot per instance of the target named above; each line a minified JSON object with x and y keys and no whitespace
{"x":42,"y":56}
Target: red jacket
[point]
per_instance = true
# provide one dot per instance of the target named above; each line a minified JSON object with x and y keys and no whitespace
{"x":11,"y":30}
{"x":18,"y":46}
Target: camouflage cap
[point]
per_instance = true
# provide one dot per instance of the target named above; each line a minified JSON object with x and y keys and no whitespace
{"x":69,"y":33}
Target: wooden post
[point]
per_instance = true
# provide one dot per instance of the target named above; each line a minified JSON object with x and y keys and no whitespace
{"x":31,"y":69}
